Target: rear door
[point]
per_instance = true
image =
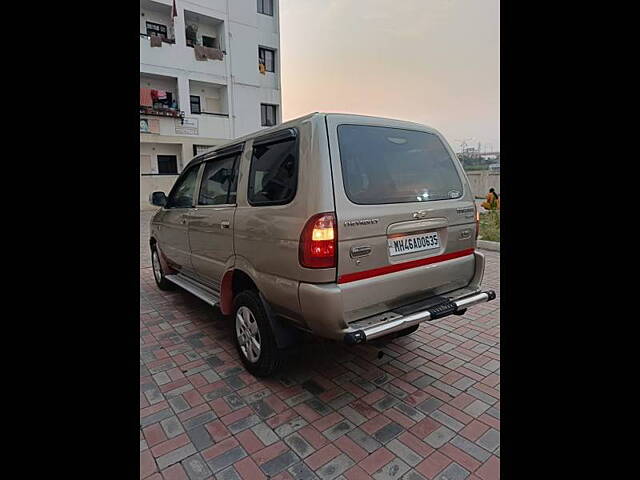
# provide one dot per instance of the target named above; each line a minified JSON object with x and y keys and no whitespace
{"x":402,"y":202}
{"x":211,"y":222}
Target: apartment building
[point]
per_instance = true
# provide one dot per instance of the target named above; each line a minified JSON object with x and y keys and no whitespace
{"x":209,"y":71}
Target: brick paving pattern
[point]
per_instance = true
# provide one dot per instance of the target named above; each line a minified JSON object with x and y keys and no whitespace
{"x":428,"y":409}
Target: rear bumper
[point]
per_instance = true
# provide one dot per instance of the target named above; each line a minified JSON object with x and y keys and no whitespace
{"x":390,"y":322}
{"x":404,"y":298}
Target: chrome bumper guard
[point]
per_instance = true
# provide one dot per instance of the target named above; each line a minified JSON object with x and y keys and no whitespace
{"x":391,"y":322}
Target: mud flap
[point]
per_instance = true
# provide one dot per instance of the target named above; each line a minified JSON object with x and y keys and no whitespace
{"x":285,"y":335}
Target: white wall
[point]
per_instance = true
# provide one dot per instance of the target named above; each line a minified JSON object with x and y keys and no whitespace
{"x":155,"y":149}
{"x":247,"y":103}
{"x":244,"y":51}
{"x":209,"y":91}
{"x":244,"y":11}
{"x":482,"y":180}
{"x":213,"y":8}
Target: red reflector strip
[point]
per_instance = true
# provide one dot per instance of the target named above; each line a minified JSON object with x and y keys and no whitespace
{"x":375,"y":272}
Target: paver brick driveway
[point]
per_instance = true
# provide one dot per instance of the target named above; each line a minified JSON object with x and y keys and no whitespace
{"x":429,"y":408}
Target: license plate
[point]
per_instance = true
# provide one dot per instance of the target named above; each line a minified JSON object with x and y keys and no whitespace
{"x":413,"y":243}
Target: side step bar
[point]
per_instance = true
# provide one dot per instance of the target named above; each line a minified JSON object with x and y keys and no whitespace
{"x":393,"y":322}
{"x":202,"y":292}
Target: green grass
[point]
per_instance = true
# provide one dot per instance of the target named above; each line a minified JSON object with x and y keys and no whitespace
{"x":490,"y":226}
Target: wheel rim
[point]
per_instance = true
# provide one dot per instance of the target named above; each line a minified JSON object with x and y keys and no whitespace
{"x":155,"y":262}
{"x":248,"y":334}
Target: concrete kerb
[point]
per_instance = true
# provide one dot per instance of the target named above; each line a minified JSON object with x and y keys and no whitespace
{"x":487,"y":245}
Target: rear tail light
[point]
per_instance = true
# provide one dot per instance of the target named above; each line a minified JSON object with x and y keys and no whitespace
{"x":477,"y":221}
{"x":319,"y":242}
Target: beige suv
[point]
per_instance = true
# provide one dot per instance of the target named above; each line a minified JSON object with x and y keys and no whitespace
{"x":347,"y":227}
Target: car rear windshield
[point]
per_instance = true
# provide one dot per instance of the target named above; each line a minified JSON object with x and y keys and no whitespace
{"x":393,"y":165}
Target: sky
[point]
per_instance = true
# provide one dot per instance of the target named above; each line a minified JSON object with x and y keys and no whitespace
{"x":435,"y":62}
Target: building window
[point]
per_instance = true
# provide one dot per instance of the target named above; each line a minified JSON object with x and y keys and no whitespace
{"x":195,"y":104}
{"x":167,"y":165}
{"x":265,"y":7}
{"x":209,"y":41}
{"x":268,"y":115}
{"x":198,"y":149}
{"x":155,"y":29}
{"x":267,"y":57}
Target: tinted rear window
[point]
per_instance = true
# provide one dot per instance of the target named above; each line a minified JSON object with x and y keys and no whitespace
{"x":273,"y":174}
{"x":392,"y":165}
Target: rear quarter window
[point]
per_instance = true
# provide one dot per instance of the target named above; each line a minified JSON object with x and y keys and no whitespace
{"x":273,"y":175}
{"x":392,"y":165}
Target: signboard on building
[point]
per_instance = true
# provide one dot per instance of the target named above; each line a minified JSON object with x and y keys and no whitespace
{"x":188,"y":127}
{"x":149,"y":125}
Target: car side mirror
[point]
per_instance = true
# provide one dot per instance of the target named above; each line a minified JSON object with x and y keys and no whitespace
{"x":159,"y":199}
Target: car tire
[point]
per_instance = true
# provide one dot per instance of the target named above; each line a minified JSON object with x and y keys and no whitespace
{"x":254,"y":338}
{"x":158,"y":273}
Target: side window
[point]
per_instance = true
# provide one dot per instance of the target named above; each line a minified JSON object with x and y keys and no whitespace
{"x":267,"y":56}
{"x":219,"y":181}
{"x":181,"y":195}
{"x":195,"y":103}
{"x":265,"y":7}
{"x":273,"y":175}
{"x":268,"y":115}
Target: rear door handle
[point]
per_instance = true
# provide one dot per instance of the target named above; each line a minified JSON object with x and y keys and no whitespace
{"x":224,"y":224}
{"x":361,"y":251}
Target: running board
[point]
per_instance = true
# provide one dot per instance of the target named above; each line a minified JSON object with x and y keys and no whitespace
{"x":204,"y":293}
{"x":390,"y":322}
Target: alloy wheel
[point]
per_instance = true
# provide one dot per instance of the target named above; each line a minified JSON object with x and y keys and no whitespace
{"x":248,"y":334}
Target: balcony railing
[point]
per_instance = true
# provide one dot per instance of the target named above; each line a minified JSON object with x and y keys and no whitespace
{"x":164,"y":40}
{"x":211,"y":113}
{"x":176,"y":56}
{"x":161,"y":112}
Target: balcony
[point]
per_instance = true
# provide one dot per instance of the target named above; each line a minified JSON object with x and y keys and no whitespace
{"x":203,"y":30}
{"x":175,"y":48}
{"x":173,"y":56}
{"x":207,"y":116}
{"x":205,"y":126}
{"x":159,"y":95}
{"x":209,"y":106}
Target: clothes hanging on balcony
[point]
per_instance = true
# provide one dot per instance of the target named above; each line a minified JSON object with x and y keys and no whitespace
{"x":156,"y":41}
{"x":200,"y":53}
{"x":146,"y":100}
{"x":162,"y":95}
{"x":213,"y":53}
